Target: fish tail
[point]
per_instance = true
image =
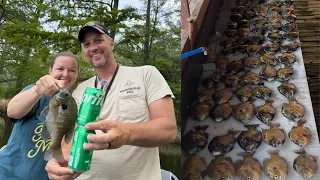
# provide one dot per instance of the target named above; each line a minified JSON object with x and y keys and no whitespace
{"x":58,"y":155}
{"x":51,"y":153}
{"x":48,"y":154}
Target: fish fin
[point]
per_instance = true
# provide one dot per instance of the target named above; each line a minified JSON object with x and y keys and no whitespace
{"x":274,"y":125}
{"x":273,"y":152}
{"x":237,"y":163}
{"x":253,"y":126}
{"x":204,"y":127}
{"x":58,"y":155}
{"x":268,"y":101}
{"x":45,"y":111}
{"x":301,"y":151}
{"x":301,"y":122}
{"x":243,"y":154}
{"x":45,"y":132}
{"x":232,"y":131}
{"x":48,"y":154}
{"x":203,"y":160}
{"x":68,"y":136}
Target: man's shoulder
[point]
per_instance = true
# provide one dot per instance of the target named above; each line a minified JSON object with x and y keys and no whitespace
{"x":144,"y":68}
{"x":83,"y":85}
{"x":87,"y":82}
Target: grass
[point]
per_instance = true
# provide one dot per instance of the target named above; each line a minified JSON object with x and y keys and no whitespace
{"x":170,"y":158}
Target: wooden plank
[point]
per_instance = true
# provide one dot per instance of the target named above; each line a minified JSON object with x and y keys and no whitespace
{"x":308,"y":17}
{"x":310,"y":44}
{"x":311,"y":49}
{"x":302,"y":31}
{"x":310,"y":39}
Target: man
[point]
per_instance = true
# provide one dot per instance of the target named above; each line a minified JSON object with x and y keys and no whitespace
{"x":136,"y":117}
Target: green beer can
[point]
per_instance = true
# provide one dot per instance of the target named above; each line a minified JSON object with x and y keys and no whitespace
{"x":90,"y":107}
{"x":80,"y":159}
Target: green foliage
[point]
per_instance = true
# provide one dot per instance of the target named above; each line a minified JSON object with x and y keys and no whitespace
{"x":32,"y":31}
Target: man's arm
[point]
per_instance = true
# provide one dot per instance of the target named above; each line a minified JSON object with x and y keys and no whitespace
{"x":160,"y":130}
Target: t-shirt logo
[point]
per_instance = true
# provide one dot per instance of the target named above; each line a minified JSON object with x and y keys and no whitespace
{"x":40,"y":144}
{"x":130,"y":89}
{"x":128,"y":84}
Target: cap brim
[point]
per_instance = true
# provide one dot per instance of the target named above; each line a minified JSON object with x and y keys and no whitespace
{"x":86,"y":29}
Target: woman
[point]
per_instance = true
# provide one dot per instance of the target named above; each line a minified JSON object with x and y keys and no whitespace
{"x":23,"y":157}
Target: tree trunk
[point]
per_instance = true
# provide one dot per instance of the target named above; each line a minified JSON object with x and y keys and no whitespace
{"x":147,"y":35}
{"x":114,"y":8}
{"x":7,"y":125}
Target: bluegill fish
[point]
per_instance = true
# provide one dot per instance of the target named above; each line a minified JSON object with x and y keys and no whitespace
{"x":195,"y":141}
{"x":61,"y":115}
{"x":293,"y":110}
{"x":251,"y":139}
{"x":220,"y":145}
{"x":194,"y":168}
{"x":266,"y":112}
{"x":305,"y":165}
{"x":243,"y":112}
{"x":248,"y":168}
{"x":274,"y":136}
{"x":200,"y":111}
{"x":276,"y":167}
{"x":300,"y":134}
{"x":221,"y":168}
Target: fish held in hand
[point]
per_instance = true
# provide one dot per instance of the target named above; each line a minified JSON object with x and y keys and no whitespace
{"x":61,"y":115}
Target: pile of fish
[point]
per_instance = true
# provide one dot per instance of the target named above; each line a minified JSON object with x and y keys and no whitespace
{"x":252,"y":23}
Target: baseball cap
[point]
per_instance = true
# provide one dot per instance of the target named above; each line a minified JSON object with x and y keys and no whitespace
{"x":89,"y":25}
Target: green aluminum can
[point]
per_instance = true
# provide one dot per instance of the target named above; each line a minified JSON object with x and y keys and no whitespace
{"x":80,"y":159}
{"x":90,"y":107}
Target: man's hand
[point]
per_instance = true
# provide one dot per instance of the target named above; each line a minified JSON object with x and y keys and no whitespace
{"x":60,"y":170}
{"x":115,"y":135}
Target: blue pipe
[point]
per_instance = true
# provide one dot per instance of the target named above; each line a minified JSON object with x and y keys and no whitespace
{"x":193,"y":52}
